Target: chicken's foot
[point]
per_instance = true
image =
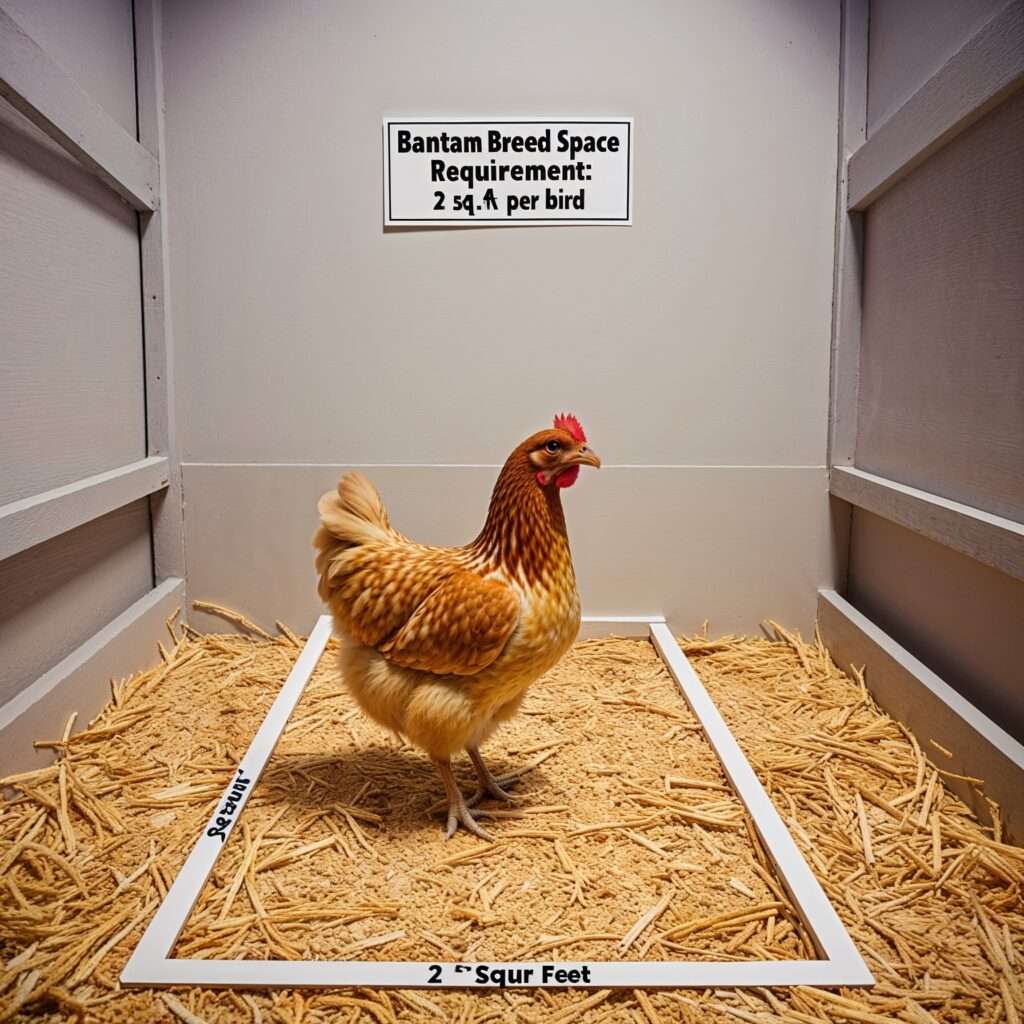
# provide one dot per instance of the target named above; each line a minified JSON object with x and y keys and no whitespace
{"x":458,"y":812}
{"x":489,"y":785}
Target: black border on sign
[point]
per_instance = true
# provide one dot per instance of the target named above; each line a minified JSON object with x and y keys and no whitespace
{"x":514,"y":220}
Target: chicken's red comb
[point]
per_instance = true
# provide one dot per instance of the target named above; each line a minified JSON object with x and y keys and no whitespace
{"x":568,"y":422}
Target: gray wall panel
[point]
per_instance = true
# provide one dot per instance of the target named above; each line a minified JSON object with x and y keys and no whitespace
{"x":942,"y":372}
{"x":71,"y":359}
{"x":90,"y":39}
{"x":56,"y":595}
{"x":962,"y":619}
{"x":71,"y":390}
{"x":910,"y":40}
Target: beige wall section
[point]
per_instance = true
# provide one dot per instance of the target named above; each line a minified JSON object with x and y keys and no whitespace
{"x":679,"y":542}
{"x":307,"y":334}
{"x":910,"y":40}
{"x":942,"y":342}
{"x":55,"y":595}
{"x":962,"y":619}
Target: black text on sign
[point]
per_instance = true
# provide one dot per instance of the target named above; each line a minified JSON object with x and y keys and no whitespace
{"x":508,"y":172}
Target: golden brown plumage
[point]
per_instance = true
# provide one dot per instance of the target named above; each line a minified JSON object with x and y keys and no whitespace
{"x":440,"y":644}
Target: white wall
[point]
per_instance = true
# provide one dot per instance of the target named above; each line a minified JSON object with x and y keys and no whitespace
{"x":696,"y":341}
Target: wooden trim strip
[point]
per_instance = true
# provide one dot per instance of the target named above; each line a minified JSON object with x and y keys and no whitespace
{"x":80,"y":682}
{"x":987,"y":538}
{"x":166,"y":507}
{"x":54,"y":102}
{"x":979,"y":76}
{"x":31,"y":521}
{"x":844,"y":379}
{"x":932,"y":709}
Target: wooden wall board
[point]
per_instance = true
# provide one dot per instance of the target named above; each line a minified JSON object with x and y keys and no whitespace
{"x":80,"y":681}
{"x":915,"y":695}
{"x":984,"y":537}
{"x":31,"y":521}
{"x":844,"y":369}
{"x":166,"y":508}
{"x":92,"y":41}
{"x":42,"y":91}
{"x":981,"y":75}
{"x":942,"y":344}
{"x":910,"y":41}
{"x":55,"y":595}
{"x":961,"y":618}
{"x":71,"y":394}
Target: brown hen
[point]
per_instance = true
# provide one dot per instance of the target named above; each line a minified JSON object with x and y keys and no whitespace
{"x":441,"y":644}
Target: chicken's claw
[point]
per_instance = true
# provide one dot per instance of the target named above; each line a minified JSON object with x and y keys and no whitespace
{"x":489,"y":785}
{"x":459,"y":815}
{"x":491,"y":788}
{"x":458,"y":812}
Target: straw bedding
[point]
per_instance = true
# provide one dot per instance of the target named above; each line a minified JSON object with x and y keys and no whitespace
{"x":625,"y":842}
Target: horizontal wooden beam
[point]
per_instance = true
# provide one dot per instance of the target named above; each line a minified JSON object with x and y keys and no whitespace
{"x":31,"y":521}
{"x":985,"y":537}
{"x":979,"y":76}
{"x":54,"y":102}
{"x":909,"y":691}
{"x":81,"y":681}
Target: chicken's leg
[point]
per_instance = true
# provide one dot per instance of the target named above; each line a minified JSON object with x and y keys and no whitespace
{"x":458,"y":812}
{"x":488,"y":783}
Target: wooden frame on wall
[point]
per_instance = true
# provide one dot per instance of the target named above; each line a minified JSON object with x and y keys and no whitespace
{"x":984,"y":72}
{"x":987,"y":69}
{"x":45,"y":94}
{"x":39,"y":88}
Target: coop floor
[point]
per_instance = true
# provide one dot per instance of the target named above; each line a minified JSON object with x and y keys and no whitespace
{"x":622,"y":810}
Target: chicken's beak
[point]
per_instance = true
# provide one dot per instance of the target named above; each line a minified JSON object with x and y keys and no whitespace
{"x":585,"y":457}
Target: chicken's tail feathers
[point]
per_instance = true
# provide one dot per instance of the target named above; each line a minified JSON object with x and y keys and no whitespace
{"x":350,"y":516}
{"x":353,"y":514}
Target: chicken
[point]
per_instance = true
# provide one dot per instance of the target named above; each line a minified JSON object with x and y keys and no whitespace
{"x":440,"y":644}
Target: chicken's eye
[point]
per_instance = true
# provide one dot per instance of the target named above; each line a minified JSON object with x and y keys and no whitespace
{"x":552,"y":446}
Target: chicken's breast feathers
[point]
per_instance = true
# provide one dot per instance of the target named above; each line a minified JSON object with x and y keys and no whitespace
{"x":459,"y":629}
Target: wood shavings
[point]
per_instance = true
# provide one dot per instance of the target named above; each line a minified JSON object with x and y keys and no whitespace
{"x":336,"y":855}
{"x":645,"y":920}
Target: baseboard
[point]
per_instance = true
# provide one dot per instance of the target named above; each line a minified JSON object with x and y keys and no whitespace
{"x":80,"y":682}
{"x":593,"y":626}
{"x":913,"y":694}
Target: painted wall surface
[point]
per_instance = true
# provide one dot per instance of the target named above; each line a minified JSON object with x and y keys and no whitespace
{"x":910,"y":40}
{"x":93,"y":41}
{"x":961,"y":618}
{"x":942,"y":366}
{"x":693,"y":346}
{"x":56,"y":595}
{"x":942,"y":344}
{"x":71,"y":366}
{"x":71,"y":390}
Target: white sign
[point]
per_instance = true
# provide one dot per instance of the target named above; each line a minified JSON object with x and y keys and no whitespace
{"x":508,"y":172}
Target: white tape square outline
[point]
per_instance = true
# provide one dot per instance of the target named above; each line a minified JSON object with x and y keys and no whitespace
{"x":840,"y":963}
